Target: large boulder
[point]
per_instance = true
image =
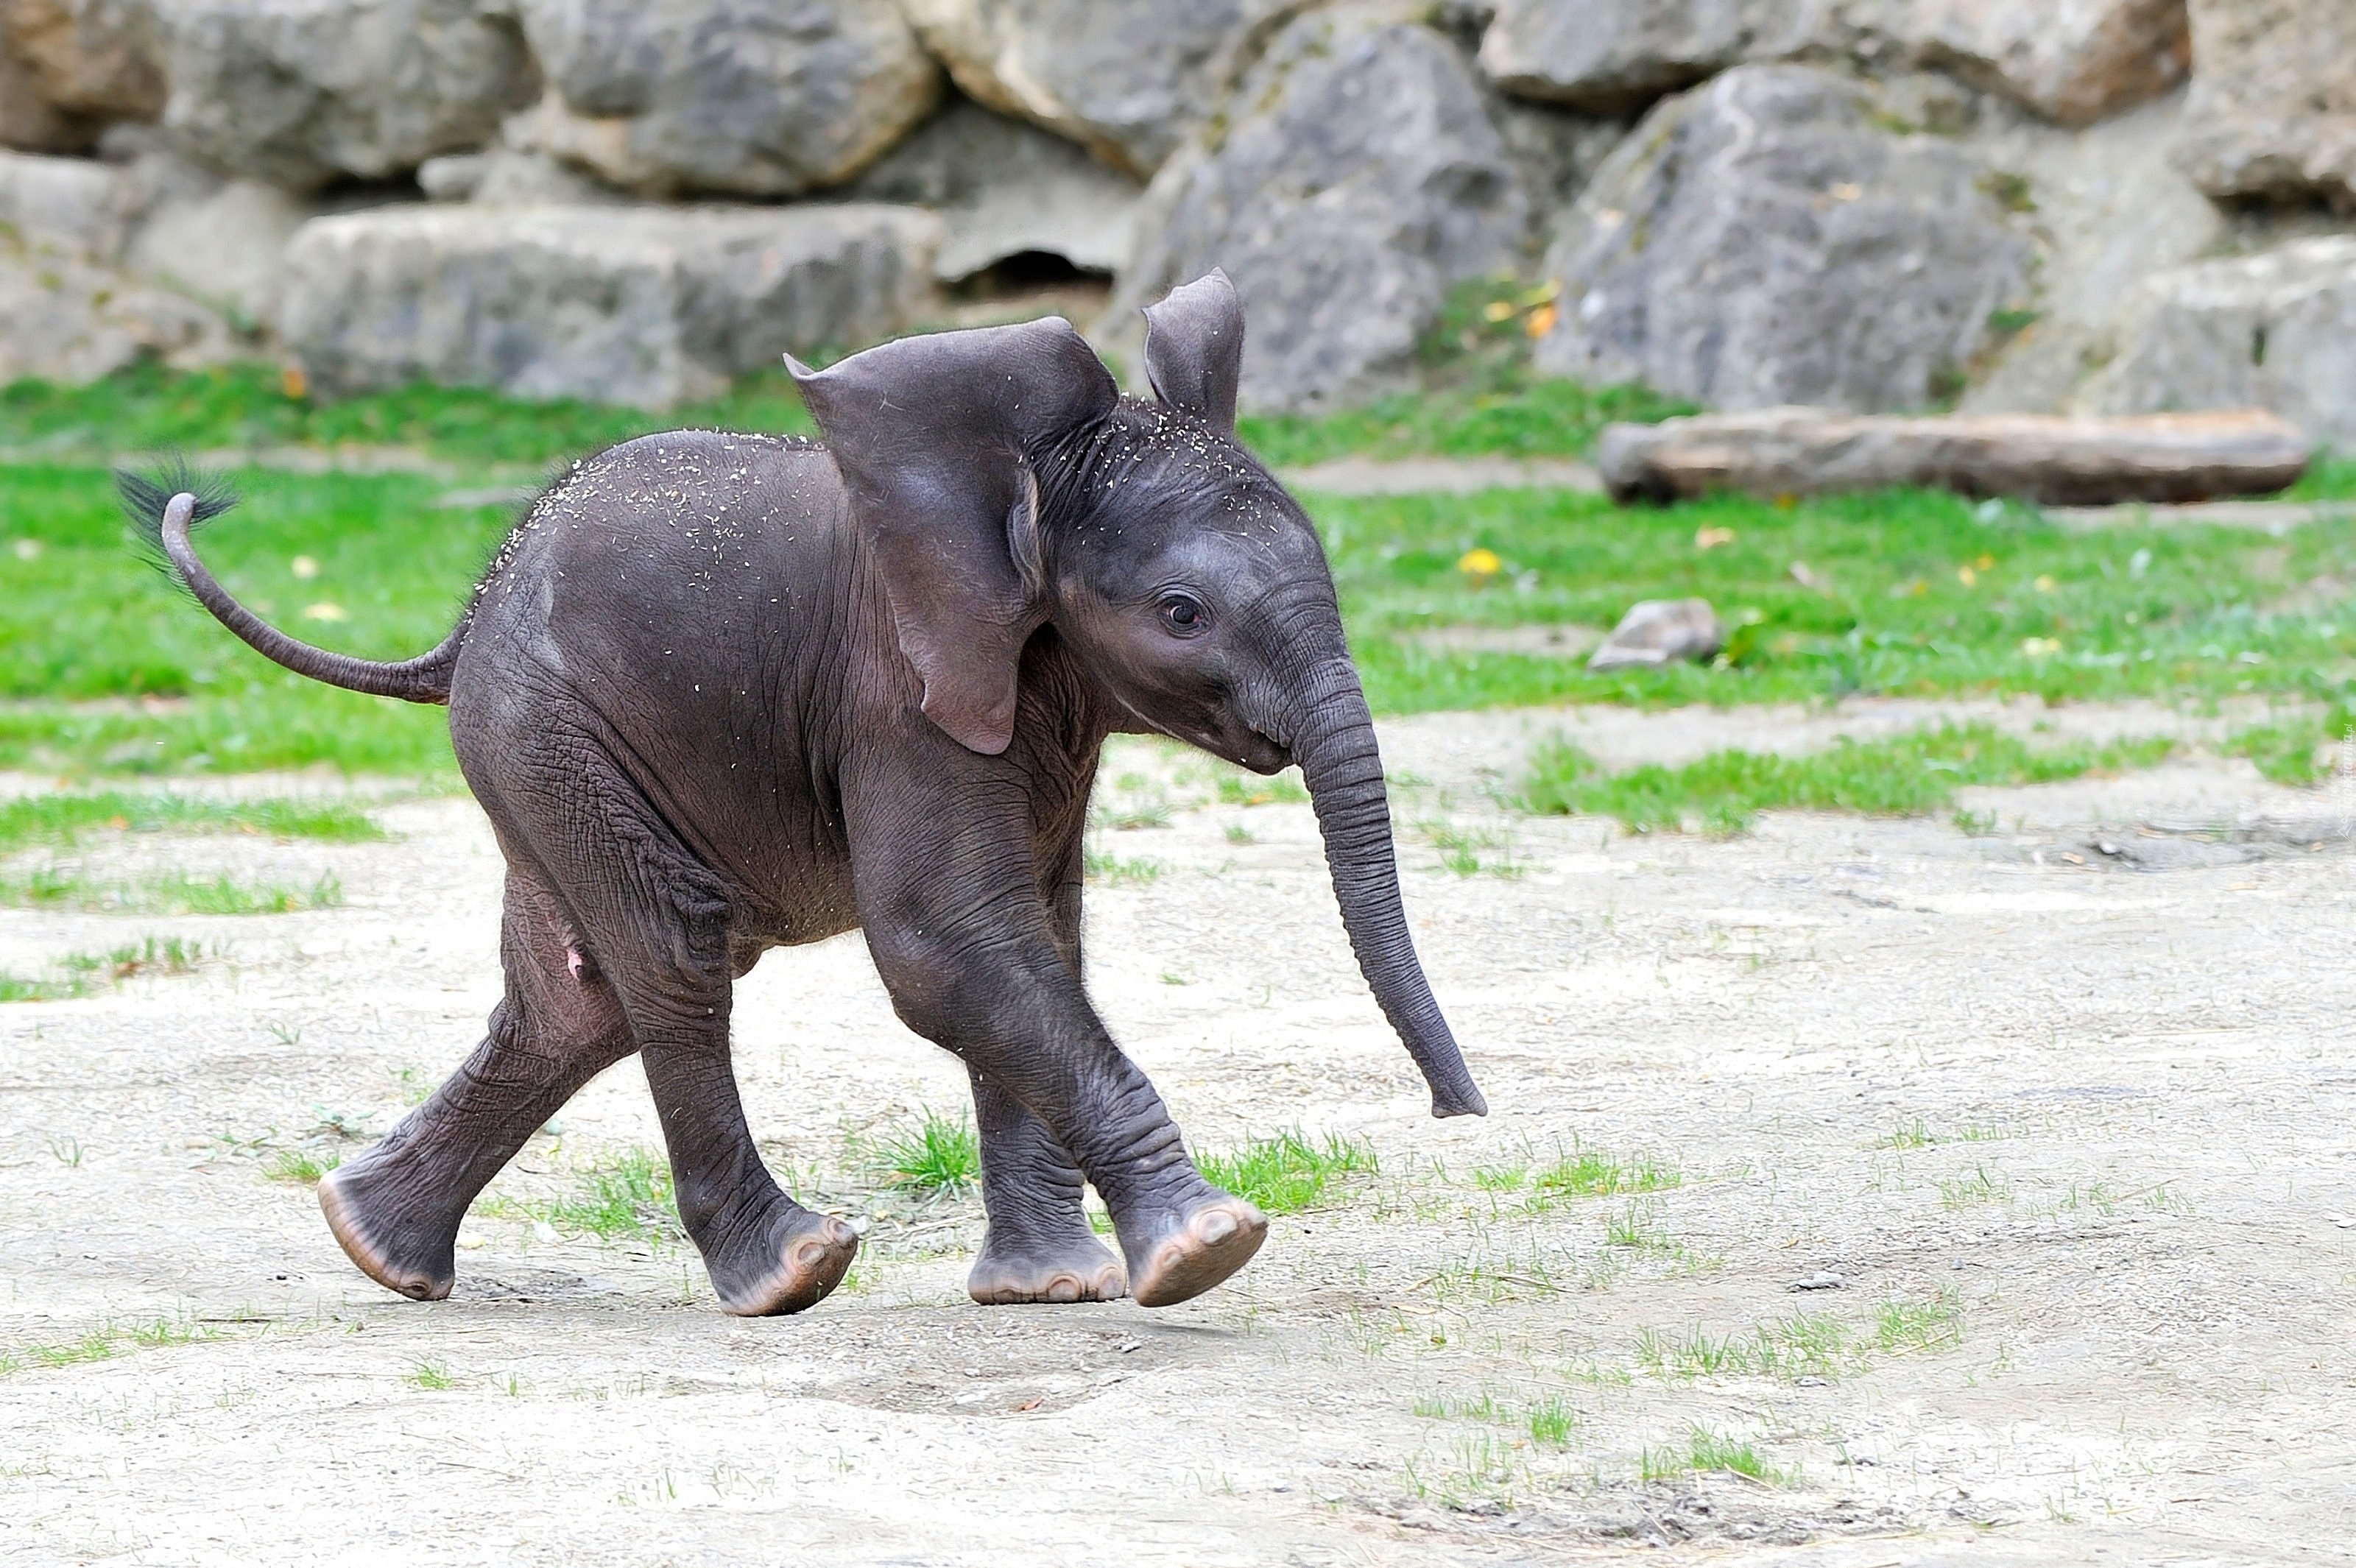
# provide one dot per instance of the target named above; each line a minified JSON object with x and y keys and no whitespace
{"x":69,"y":69}
{"x":2274,"y":100}
{"x":2270,"y":331}
{"x":68,"y":310}
{"x":1355,"y":177}
{"x":306,"y":92}
{"x":648,"y":305}
{"x":2110,"y":208}
{"x":750,"y":97}
{"x":1622,"y":54}
{"x":1129,"y":79}
{"x":1763,"y":240}
{"x":1003,"y":188}
{"x":2071,"y":60}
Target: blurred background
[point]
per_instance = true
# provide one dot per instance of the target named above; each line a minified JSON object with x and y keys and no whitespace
{"x":391,"y":258}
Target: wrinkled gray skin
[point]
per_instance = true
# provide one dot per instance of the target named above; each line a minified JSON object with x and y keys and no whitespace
{"x":720,"y":693}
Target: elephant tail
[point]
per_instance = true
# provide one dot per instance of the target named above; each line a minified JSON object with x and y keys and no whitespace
{"x":163,"y":509}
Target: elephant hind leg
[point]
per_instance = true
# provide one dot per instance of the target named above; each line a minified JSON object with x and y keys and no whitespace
{"x":395,"y":1209}
{"x":1037,"y":1246}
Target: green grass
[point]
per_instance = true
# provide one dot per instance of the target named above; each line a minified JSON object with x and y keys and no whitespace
{"x":105,"y":669}
{"x":82,"y":974}
{"x":2182,"y":614}
{"x":1909,"y":775}
{"x":1103,"y":866}
{"x":168,"y":893}
{"x":247,"y":405}
{"x":102,"y":1344}
{"x":626,"y":1197}
{"x":1287,"y":1174}
{"x":928,"y":1153}
{"x":1708,"y":1453}
{"x":299,"y":1165}
{"x":65,"y":819}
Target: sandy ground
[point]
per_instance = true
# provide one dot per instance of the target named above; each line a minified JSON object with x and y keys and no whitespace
{"x":2069,"y":1110}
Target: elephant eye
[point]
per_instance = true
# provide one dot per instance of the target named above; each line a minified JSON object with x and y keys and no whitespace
{"x":1185,"y":615}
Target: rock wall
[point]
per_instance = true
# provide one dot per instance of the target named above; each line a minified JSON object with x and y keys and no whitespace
{"x":2009,"y":205}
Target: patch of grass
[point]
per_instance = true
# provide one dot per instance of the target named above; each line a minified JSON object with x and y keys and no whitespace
{"x":1240,"y":788}
{"x":626,"y":1197}
{"x":1907,"y":775}
{"x":431,"y":1376}
{"x":1591,"y":1172}
{"x":1981,"y":1185}
{"x":2299,"y":749}
{"x":66,"y":819}
{"x":1708,"y":1452}
{"x":1287,"y":1174}
{"x":1471,"y":851}
{"x":84,"y":973}
{"x":147,"y":406}
{"x":1103,"y":866}
{"x":301,"y":1165}
{"x":103,"y":1343}
{"x":168,"y":893}
{"x":1900,"y":1327}
{"x":932,"y":1154}
{"x":2178,"y":614}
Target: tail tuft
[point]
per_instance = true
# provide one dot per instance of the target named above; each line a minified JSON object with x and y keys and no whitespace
{"x":144,"y":496}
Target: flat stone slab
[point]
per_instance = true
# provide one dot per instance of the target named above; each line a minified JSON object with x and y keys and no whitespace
{"x":2053,"y":460}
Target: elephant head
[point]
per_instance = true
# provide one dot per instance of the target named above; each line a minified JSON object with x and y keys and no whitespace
{"x":1005,"y":486}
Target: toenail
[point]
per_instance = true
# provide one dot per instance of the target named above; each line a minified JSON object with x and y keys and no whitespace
{"x":1218,"y":1225}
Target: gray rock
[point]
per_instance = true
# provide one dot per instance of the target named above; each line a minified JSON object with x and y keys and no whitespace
{"x":647,"y":306}
{"x":750,"y":97}
{"x":303,"y":92}
{"x":69,"y":312}
{"x":1356,"y":177}
{"x":69,"y":67}
{"x":1762,"y":240}
{"x":2274,"y":100}
{"x":1004,"y":187}
{"x":68,"y":207}
{"x":506,"y":177}
{"x":453,"y":176}
{"x":2111,"y":208}
{"x":1129,"y":79}
{"x":1622,"y":54}
{"x":2270,"y":331}
{"x":2034,"y":457}
{"x":227,"y":249}
{"x":1660,"y":632}
{"x":2071,"y":60}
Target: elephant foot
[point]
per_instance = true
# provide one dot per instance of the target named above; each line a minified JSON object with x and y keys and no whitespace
{"x":1198,"y":1248}
{"x":788,"y":1266}
{"x":1077,"y":1268}
{"x":401,"y":1252}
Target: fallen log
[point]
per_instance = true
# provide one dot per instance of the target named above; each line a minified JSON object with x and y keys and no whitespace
{"x":2049,"y":458}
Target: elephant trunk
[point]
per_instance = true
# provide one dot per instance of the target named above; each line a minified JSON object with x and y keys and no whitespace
{"x":1334,"y":744}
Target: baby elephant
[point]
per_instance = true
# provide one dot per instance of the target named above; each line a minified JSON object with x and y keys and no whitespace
{"x":719,"y":693}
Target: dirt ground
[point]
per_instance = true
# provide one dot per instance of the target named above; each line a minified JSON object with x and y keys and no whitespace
{"x":2069,"y":1109}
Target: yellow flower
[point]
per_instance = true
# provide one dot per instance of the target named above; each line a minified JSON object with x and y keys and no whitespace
{"x":324,"y":612}
{"x":1479,"y":562}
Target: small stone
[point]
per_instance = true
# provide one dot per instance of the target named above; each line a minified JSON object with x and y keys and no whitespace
{"x":1661,"y":632}
{"x":542,"y":1231}
{"x":472,"y":1241}
{"x":1822,"y":1279}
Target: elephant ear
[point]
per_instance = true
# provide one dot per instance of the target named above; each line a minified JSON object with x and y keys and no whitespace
{"x":1194,"y":348}
{"x":933,"y":436}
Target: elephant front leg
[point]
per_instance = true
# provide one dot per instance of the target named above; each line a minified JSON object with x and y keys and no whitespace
{"x":1038,"y":1246}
